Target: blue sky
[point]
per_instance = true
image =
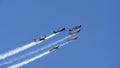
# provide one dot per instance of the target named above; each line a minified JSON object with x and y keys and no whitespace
{"x":98,"y":45}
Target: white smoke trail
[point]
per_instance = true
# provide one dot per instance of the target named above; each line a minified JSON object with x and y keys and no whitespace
{"x":64,"y":44}
{"x":19,"y":49}
{"x":37,"y":51}
{"x":29,"y":60}
{"x":34,"y":58}
{"x":47,"y":46}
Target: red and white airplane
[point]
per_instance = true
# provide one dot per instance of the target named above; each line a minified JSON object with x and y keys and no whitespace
{"x":72,"y":38}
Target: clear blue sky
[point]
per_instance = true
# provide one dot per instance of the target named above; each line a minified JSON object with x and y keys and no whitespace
{"x":98,"y":45}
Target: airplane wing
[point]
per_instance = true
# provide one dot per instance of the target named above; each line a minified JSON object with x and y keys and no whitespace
{"x":54,"y":48}
{"x":40,"y":39}
{"x":72,"y":38}
{"x":77,"y":27}
{"x":74,"y":31}
{"x":60,"y":30}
